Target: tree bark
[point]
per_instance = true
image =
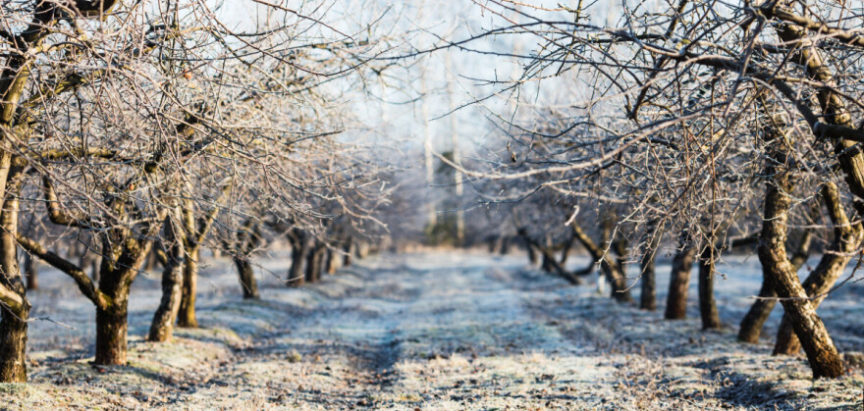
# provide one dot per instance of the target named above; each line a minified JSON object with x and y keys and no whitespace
{"x":13,"y":341}
{"x":313,"y":264}
{"x":847,"y":239}
{"x":753,"y":322}
{"x":648,"y":295}
{"x":707,"y":303}
{"x":247,"y":277}
{"x":111,"y":330}
{"x":679,"y":281}
{"x":822,"y":355}
{"x":14,"y":307}
{"x":162,"y":326}
{"x":608,"y":265}
{"x":186,"y":317}
{"x":329,"y":262}
{"x":31,"y":271}
{"x":299,"y":251}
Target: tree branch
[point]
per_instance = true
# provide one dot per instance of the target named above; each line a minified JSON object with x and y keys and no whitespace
{"x":85,"y":284}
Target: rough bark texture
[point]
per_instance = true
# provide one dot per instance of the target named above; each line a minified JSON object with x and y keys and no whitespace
{"x":186,"y":315}
{"x":111,"y":330}
{"x":847,"y":238}
{"x":834,"y":109}
{"x":753,"y":322}
{"x":13,"y":344}
{"x":679,"y":280}
{"x":162,"y":327}
{"x":14,"y":307}
{"x":822,"y":355}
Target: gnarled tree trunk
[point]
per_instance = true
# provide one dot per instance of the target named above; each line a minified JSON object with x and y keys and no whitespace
{"x":822,"y":355}
{"x":847,"y":239}
{"x":754,"y":320}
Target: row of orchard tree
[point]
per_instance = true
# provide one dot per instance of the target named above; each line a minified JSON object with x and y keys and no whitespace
{"x":704,"y":127}
{"x":137,"y":130}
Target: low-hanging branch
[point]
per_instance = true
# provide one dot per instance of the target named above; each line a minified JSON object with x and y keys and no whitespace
{"x":85,"y":284}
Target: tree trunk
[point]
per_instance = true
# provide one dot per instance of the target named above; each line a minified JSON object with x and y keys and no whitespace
{"x":754,"y":320}
{"x":609,"y":266}
{"x":313,"y":264}
{"x":565,"y":251}
{"x":648,"y":296}
{"x":333,"y":261}
{"x":546,"y":262}
{"x":822,"y":355}
{"x":14,"y":309}
{"x":247,"y":277}
{"x":299,"y":251}
{"x":707,"y":303}
{"x":111,"y":330}
{"x":506,"y":242}
{"x":679,"y":281}
{"x":186,"y":316}
{"x":150,"y":265}
{"x":362,"y":250}
{"x":162,"y":327}
{"x":13,"y":340}
{"x":847,"y":238}
{"x":31,"y":271}
{"x":349,"y":253}
{"x":532,"y":255}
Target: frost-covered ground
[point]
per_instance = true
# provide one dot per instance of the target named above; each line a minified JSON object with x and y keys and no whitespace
{"x":432,"y":330}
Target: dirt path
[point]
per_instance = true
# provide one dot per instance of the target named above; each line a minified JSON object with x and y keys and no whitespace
{"x":437,"y":330}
